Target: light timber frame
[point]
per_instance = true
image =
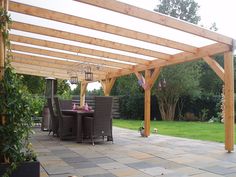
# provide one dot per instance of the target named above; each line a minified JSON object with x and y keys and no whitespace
{"x":26,"y":60}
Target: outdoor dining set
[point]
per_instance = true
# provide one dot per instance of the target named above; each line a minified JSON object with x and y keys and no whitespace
{"x":71,"y":122}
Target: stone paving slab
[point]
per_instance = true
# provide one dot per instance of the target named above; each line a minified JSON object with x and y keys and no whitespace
{"x":133,"y":156}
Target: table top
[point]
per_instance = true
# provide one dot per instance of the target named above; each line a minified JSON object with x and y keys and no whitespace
{"x":77,"y":111}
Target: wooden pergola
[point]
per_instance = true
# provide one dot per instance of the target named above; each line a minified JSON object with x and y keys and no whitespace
{"x":53,"y":56}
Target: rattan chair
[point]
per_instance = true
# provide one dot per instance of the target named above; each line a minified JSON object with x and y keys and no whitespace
{"x":100,"y":125}
{"x":54,"y":123}
{"x":67,"y":123}
{"x":65,"y":104}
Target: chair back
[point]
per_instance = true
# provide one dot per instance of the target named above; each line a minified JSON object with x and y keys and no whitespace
{"x":65,"y":104}
{"x":103,"y":115}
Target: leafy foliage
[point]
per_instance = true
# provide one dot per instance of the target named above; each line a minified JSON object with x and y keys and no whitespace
{"x":63,"y":89}
{"x":15,"y":111}
{"x":37,"y":103}
{"x":126,"y":85}
{"x":76,"y":91}
{"x":14,"y":133}
{"x":180,"y":80}
{"x":184,"y":78}
{"x":182,"y":9}
{"x":131,"y":107}
{"x":35,"y":84}
{"x":96,"y":92}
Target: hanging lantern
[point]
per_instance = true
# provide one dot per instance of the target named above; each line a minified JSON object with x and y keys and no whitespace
{"x":74,"y":80}
{"x":88,"y":74}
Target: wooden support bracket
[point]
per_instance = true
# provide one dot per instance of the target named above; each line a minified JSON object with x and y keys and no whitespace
{"x":107,"y":85}
{"x":215,"y":66}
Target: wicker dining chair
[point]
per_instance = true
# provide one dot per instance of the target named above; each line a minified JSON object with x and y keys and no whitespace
{"x":66,"y":104}
{"x":100,"y":125}
{"x":67,"y":123}
{"x":54,"y":124}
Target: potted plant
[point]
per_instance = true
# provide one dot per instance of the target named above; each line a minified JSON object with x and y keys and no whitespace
{"x":141,"y":129}
{"x":17,"y":158}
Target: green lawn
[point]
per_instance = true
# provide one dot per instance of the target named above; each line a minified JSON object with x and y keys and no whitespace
{"x":192,"y":130}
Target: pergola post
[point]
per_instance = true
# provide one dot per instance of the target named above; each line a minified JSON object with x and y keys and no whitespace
{"x":150,"y":78}
{"x":107,"y":85}
{"x":147,"y":107}
{"x":229,"y":101}
{"x":83,"y":87}
{"x":4,"y":5}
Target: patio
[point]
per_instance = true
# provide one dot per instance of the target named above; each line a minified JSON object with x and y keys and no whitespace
{"x":132,"y":155}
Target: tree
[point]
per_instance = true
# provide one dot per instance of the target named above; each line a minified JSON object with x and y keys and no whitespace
{"x":96,"y":92}
{"x":182,"y":9}
{"x":76,"y":91}
{"x":34,"y":84}
{"x":175,"y":82}
{"x":126,"y":85}
{"x":63,"y":89}
{"x":182,"y":79}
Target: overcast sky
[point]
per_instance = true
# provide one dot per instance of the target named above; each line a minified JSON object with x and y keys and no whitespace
{"x":220,"y":11}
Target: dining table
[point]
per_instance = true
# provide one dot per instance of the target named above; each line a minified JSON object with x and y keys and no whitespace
{"x":78,"y":115}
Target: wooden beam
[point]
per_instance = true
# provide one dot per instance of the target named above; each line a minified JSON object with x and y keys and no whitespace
{"x":179,"y":58}
{"x":77,"y":49}
{"x":147,"y":106}
{"x":33,"y":72}
{"x":83,"y":86}
{"x":138,"y":75}
{"x":40,"y":74}
{"x":88,"y":40}
{"x":229,"y":101}
{"x":62,"y":55}
{"x":107,"y":85}
{"x":159,"y":19}
{"x":95,"y":25}
{"x":3,"y":5}
{"x":37,"y":70}
{"x":215,"y":66}
{"x":67,"y":66}
{"x":55,"y":62}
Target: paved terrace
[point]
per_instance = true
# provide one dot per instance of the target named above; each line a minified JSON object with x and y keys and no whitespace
{"x":133,"y":156}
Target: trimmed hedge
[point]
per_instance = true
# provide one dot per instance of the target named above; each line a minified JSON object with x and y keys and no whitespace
{"x":204,"y":108}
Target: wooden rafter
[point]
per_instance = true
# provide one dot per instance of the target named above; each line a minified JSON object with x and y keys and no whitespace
{"x":88,"y":40}
{"x":31,"y":71}
{"x":73,"y":48}
{"x":66,"y":68}
{"x":63,"y":55}
{"x":95,"y":25}
{"x":52,"y":61}
{"x":44,"y":69}
{"x":158,"y":18}
{"x":215,"y":66}
{"x":41,"y":73}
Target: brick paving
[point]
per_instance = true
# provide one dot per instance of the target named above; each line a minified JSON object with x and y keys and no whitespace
{"x":133,"y":156}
